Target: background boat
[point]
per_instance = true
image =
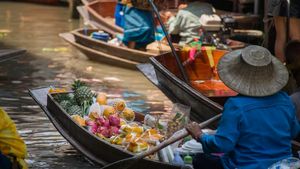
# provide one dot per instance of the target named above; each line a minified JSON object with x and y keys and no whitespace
{"x":98,"y":56}
{"x":205,"y":93}
{"x":102,"y":13}
{"x":82,"y":37}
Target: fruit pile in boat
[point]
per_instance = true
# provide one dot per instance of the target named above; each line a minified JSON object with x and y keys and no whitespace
{"x":109,"y":119}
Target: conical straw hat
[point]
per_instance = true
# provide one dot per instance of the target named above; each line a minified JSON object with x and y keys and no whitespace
{"x":253,"y":71}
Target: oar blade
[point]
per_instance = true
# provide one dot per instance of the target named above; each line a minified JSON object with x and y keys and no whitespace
{"x":122,"y":164}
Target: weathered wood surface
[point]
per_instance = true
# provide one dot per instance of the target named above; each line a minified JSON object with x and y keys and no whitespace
{"x":7,"y":54}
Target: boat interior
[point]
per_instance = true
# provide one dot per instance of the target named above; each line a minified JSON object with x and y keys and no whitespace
{"x":105,"y":8}
{"x":201,"y":72}
{"x":88,"y":32}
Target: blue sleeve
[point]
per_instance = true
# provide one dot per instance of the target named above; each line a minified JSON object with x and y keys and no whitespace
{"x":227,"y":133}
{"x":295,"y":126}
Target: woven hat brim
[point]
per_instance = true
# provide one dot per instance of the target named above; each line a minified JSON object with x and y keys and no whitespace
{"x":251,"y":80}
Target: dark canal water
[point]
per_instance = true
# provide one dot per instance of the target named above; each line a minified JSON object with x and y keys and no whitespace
{"x":51,"y":61}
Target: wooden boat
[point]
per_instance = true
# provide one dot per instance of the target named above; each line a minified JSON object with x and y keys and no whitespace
{"x":164,"y":73}
{"x":97,"y":55}
{"x":102,"y":13}
{"x":8,"y":54}
{"x":82,"y":37}
{"x":205,"y":93}
{"x":96,"y":149}
{"x":49,"y":2}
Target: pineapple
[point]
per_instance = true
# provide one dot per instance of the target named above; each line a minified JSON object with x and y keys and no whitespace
{"x":61,"y":97}
{"x":65,"y":104}
{"x":84,"y":94}
{"x":75,"y":110}
{"x":77,"y":84}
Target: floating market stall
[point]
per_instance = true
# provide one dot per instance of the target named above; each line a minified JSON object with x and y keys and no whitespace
{"x":96,"y":124}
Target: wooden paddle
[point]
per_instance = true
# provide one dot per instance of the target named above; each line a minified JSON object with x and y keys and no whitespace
{"x":181,"y":68}
{"x":129,"y":162}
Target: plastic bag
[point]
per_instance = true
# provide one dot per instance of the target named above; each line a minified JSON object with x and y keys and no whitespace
{"x":289,"y":163}
{"x":179,"y":117}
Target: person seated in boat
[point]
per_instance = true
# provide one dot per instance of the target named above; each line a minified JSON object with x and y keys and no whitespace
{"x":138,"y":24}
{"x":257,"y":125}
{"x":12,"y":147}
{"x":186,"y":23}
{"x":119,"y":14}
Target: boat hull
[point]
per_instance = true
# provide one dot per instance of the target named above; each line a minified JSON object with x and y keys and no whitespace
{"x":98,"y":56}
{"x":202,"y":108}
{"x":104,"y":47}
{"x":97,"y":150}
{"x":8,"y":54}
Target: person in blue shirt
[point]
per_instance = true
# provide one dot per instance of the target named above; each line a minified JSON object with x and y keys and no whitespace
{"x":257,"y":125}
{"x":138,"y":25}
{"x":119,"y":14}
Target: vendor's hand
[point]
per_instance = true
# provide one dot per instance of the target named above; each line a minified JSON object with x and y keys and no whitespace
{"x":182,"y":6}
{"x":194,"y":130}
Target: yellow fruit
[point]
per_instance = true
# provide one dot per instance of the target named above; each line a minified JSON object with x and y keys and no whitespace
{"x":109,"y":110}
{"x":128,"y":114}
{"x":119,"y":104}
{"x":137,"y":147}
{"x":117,"y":140}
{"x":79,"y":120}
{"x":93,"y":115}
{"x":138,"y":130}
{"x":122,"y":122}
{"x":57,"y":90}
{"x":132,"y":129}
{"x":101,"y":98}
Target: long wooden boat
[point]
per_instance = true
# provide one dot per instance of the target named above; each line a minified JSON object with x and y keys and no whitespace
{"x":205,"y":93}
{"x":82,"y":37}
{"x":8,"y":54}
{"x":49,"y":2}
{"x":102,"y":13}
{"x":96,"y":149}
{"x":97,"y":55}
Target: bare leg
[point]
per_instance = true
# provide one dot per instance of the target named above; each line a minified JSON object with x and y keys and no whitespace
{"x":295,"y":29}
{"x":131,"y":45}
{"x":280,"y":37}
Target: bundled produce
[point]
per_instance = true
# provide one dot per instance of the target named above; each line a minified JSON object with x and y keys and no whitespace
{"x":109,"y":119}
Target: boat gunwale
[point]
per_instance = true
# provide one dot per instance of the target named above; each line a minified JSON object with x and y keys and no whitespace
{"x":76,"y":32}
{"x":130,"y":64}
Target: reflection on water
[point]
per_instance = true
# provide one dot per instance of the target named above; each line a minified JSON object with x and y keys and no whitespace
{"x":51,"y":61}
